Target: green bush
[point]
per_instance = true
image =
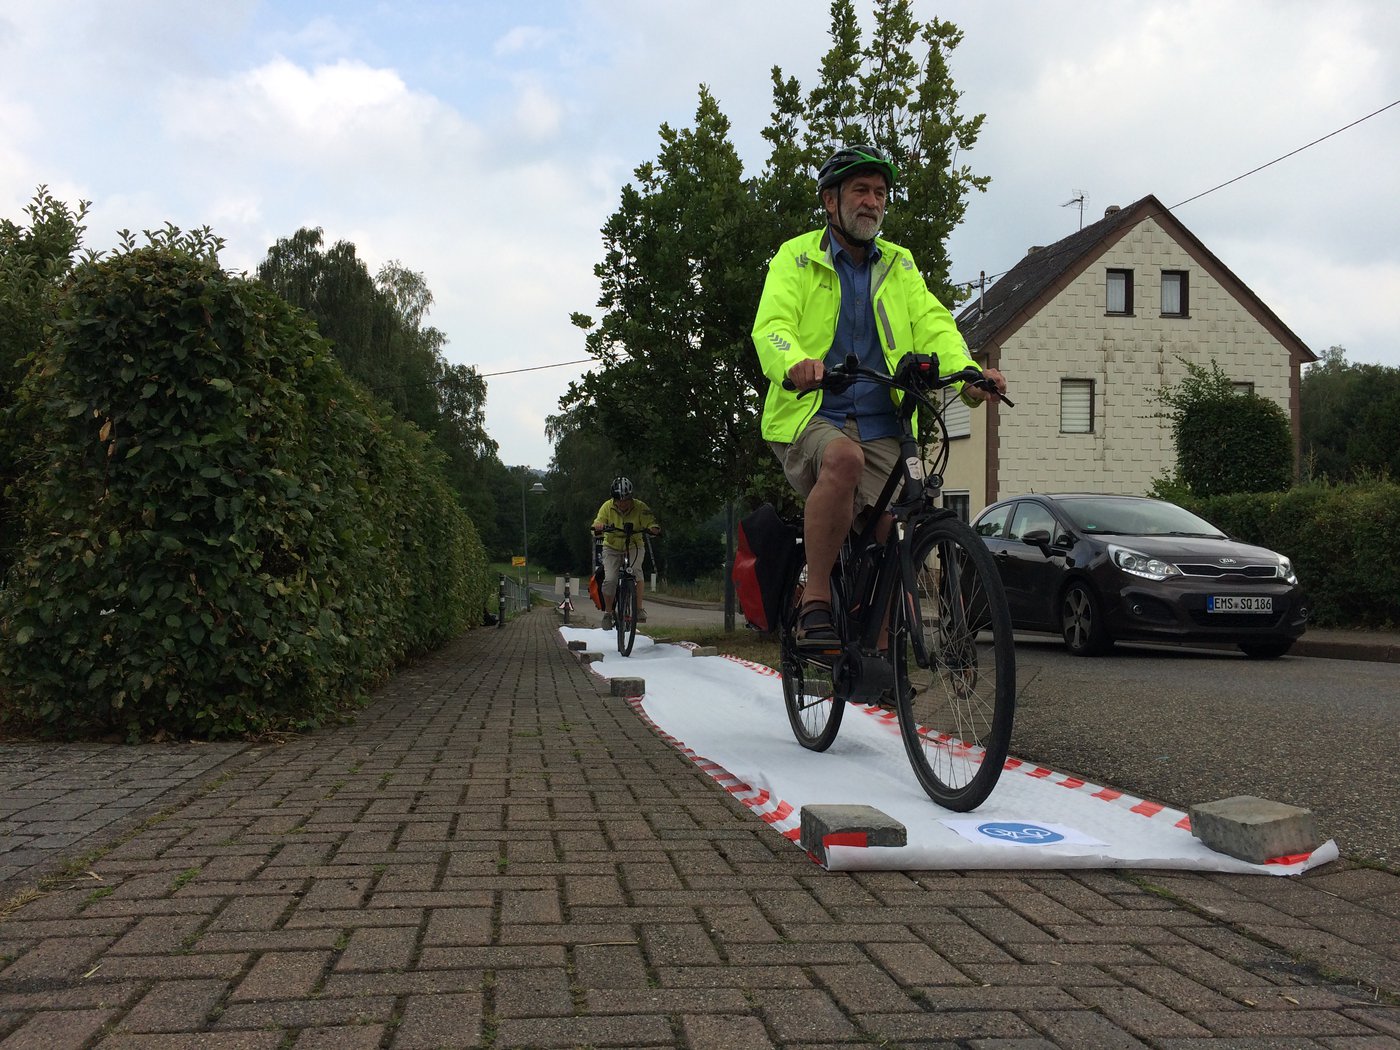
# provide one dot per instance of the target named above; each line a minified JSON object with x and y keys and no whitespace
{"x":224,"y":535}
{"x":1226,"y":441}
{"x":1341,"y":538}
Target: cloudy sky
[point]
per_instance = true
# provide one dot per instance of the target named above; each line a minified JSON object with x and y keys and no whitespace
{"x":484,"y":143}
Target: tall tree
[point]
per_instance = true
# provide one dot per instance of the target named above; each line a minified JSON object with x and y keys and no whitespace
{"x":376,"y":326}
{"x":1350,"y":419}
{"x":678,"y":387}
{"x":680,"y":282}
{"x":885,"y":95}
{"x":35,"y":260}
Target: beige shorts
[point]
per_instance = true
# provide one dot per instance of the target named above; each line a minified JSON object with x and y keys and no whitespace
{"x":802,"y":459}
{"x":612,"y":565}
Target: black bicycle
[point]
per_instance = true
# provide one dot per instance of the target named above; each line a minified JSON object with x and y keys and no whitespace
{"x":921,"y":615}
{"x":625,"y":602}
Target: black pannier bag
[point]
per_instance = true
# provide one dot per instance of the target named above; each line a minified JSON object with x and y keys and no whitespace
{"x":766,"y":555}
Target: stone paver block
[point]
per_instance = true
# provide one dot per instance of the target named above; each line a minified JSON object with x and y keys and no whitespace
{"x":835,"y":825}
{"x":1254,"y":829}
{"x":577,"y":645}
{"x":628,"y":686}
{"x":704,"y":650}
{"x":590,"y":657}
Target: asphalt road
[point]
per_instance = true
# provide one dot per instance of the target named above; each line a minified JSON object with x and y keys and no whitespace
{"x":1191,"y":726}
{"x":1187,"y":726}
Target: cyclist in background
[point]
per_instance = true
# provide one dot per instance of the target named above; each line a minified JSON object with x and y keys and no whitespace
{"x":618,"y":511}
{"x":831,"y":293}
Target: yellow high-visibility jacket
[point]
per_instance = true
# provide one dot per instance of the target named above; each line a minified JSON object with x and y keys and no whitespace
{"x":797,"y":319}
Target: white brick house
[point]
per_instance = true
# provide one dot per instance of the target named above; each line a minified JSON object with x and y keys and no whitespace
{"x":1087,"y":331}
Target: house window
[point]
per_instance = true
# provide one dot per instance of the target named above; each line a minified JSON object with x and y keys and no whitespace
{"x":957,"y":417}
{"x":1120,"y":292}
{"x":1242,"y":387}
{"x":1174,"y":293}
{"x":1076,"y":406}
{"x":960,"y":503}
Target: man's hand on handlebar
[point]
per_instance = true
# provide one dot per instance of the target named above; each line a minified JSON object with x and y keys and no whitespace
{"x":807,"y":374}
{"x":978,"y":393}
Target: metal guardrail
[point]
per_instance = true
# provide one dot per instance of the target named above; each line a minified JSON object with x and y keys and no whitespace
{"x":513,"y":597}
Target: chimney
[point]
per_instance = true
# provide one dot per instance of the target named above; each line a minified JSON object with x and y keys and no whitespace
{"x":1111,"y":211}
{"x":1034,"y":248}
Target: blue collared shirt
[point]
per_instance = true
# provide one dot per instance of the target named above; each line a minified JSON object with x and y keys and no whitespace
{"x":869,"y":403}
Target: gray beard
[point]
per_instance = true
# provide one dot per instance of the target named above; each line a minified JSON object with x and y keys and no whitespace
{"x":861,"y":229}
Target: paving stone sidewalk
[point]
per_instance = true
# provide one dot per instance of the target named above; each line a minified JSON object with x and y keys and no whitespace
{"x":498,"y":854}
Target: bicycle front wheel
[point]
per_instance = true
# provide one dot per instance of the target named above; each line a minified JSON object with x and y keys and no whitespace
{"x":955,"y":715}
{"x":625,"y":615}
{"x":808,"y":693}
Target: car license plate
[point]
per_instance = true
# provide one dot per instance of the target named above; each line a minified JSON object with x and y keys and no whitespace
{"x":1228,"y":604}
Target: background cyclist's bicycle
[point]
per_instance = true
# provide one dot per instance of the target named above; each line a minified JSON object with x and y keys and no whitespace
{"x":625,"y":603}
{"x":921,"y":617}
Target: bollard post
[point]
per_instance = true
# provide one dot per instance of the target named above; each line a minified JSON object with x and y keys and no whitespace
{"x":568,"y":606}
{"x":501,"y":602}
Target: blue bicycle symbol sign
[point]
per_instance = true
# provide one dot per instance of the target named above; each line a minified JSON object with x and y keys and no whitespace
{"x":1015,"y":831}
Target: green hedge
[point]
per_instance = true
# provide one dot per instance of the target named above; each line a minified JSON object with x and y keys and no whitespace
{"x":1342,"y":540}
{"x":224,"y":535}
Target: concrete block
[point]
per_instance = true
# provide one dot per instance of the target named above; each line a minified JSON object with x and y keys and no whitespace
{"x":704,"y":650}
{"x":628,"y":686}
{"x":1254,"y":829}
{"x":830,"y":825}
{"x":578,"y":645}
{"x":589,"y":658}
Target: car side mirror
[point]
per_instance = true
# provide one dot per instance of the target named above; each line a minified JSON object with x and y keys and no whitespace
{"x":1038,"y":538}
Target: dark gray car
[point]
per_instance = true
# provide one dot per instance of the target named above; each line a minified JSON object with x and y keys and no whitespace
{"x":1096,"y":569}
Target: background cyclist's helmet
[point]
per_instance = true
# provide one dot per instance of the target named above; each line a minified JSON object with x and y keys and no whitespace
{"x":621,"y":488}
{"x":852,"y":160}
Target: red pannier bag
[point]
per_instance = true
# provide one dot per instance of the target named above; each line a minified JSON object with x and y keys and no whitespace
{"x":766,"y":554}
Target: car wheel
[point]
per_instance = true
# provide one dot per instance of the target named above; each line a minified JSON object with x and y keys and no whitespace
{"x":1270,"y":649}
{"x":1082,"y":622}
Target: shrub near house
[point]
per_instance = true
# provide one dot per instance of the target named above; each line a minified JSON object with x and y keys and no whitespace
{"x":224,"y":535}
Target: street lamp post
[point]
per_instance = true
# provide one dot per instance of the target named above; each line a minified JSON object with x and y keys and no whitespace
{"x":525,"y":529}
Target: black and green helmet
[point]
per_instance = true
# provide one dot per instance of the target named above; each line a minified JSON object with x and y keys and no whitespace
{"x":849,"y":160}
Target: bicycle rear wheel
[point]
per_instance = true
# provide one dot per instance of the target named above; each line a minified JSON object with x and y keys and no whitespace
{"x":625,"y":614}
{"x":808,"y":692}
{"x":955,"y":715}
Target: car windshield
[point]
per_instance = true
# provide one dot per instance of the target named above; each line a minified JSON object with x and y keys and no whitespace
{"x":1135,"y":517}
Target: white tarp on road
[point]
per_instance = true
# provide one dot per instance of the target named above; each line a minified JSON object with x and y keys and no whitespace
{"x":728,"y":716}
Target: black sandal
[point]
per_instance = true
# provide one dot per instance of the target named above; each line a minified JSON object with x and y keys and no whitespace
{"x":815,"y":625}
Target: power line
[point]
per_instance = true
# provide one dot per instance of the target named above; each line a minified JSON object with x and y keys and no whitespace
{"x":535,"y":368}
{"x":1237,"y":178}
{"x":1295,"y":152}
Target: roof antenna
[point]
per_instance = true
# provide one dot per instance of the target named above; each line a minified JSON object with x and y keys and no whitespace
{"x":1079,"y":200}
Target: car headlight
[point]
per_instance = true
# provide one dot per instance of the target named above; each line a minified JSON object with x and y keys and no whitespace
{"x":1141,"y":565}
{"x":1285,"y":570}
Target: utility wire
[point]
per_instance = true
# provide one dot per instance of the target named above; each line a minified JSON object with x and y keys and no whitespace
{"x":1237,"y":178}
{"x":536,"y":368}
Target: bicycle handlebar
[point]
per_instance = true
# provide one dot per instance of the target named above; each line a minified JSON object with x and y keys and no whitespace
{"x":915,"y":374}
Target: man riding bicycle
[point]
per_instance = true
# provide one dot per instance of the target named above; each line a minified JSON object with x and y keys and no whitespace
{"x":619,"y":511}
{"x":829,"y":294}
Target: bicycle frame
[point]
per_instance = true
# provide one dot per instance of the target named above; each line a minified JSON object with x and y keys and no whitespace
{"x":915,"y":504}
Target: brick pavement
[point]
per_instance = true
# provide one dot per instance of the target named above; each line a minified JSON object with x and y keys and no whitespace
{"x":498,"y":854}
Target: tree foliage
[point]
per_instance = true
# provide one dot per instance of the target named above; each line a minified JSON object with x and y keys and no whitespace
{"x":1350,"y":415}
{"x":35,"y":259}
{"x":223,"y":534}
{"x":678,"y":388}
{"x":1226,"y":441}
{"x":375,"y":325}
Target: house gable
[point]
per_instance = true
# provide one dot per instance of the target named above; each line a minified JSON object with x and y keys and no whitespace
{"x":1047,"y":326}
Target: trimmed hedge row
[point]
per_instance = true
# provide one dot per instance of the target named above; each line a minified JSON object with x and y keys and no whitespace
{"x":225,"y":536}
{"x":1342,"y":540}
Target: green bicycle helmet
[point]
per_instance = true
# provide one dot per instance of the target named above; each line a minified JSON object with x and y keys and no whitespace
{"x":850,"y":160}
